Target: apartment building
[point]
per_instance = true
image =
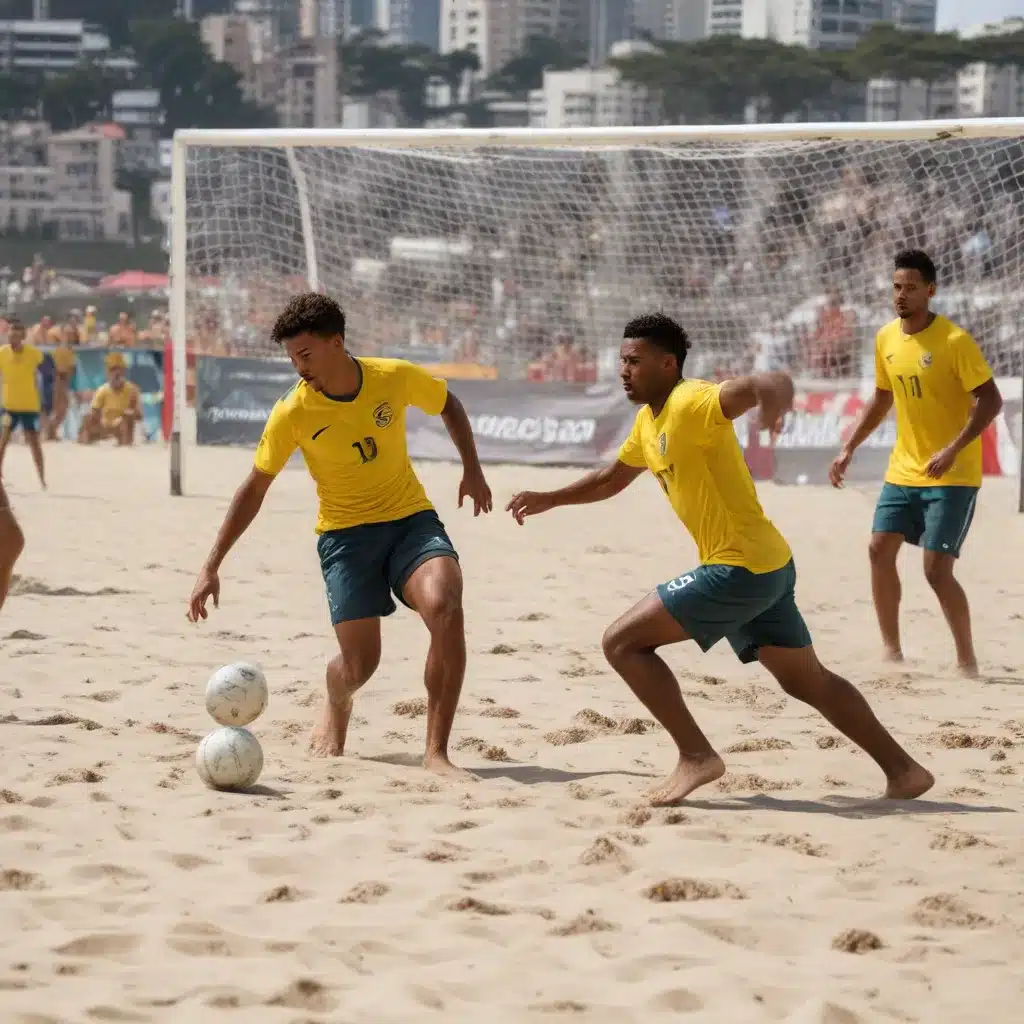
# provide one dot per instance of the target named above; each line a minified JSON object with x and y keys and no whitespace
{"x":497,"y":30}
{"x":593,"y":97}
{"x":987,"y":90}
{"x":51,"y":46}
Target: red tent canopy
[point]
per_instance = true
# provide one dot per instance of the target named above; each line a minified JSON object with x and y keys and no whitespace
{"x":133,"y":281}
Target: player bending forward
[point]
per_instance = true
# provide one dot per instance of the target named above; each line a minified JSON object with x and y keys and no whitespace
{"x":743,"y":590}
{"x":378,"y":532}
{"x":945,"y":397}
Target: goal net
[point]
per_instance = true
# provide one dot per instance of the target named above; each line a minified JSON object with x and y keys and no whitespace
{"x":521,"y":254}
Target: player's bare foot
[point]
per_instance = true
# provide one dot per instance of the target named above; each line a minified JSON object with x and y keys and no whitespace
{"x":328,"y":736}
{"x":439,"y":764}
{"x":893,"y":655}
{"x":968,"y":669}
{"x":688,"y":776}
{"x":909,"y":784}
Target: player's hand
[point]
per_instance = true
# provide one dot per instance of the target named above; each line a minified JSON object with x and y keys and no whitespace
{"x":941,"y":463}
{"x":840,"y":464}
{"x":475,"y":486}
{"x":207,"y":586}
{"x":529,"y":503}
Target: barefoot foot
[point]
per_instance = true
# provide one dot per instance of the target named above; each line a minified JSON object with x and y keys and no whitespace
{"x":893,"y":655}
{"x":439,"y":764}
{"x":968,"y":669}
{"x":328,"y":736}
{"x":910,"y":783}
{"x":688,"y":776}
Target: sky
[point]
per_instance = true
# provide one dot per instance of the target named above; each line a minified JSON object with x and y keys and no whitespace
{"x":959,"y":14}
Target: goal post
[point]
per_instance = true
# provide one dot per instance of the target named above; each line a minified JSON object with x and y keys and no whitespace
{"x":506,"y":247}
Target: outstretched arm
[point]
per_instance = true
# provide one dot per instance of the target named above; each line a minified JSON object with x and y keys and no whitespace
{"x":245,"y":505}
{"x":460,"y":430}
{"x":870,"y":419}
{"x":599,"y":485}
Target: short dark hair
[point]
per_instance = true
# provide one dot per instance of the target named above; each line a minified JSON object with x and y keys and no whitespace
{"x":919,"y":260}
{"x":309,"y":313}
{"x":660,"y":330}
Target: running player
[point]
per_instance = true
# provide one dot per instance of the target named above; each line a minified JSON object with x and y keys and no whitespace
{"x":12,"y":542}
{"x":743,"y":590}
{"x":379,"y":533}
{"x":945,"y":396}
{"x":22,"y":404}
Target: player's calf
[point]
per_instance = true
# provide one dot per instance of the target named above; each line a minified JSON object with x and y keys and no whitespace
{"x":347,"y":672}
{"x":12,"y":543}
{"x":799,"y":672}
{"x":938,"y":571}
{"x":434,"y":591}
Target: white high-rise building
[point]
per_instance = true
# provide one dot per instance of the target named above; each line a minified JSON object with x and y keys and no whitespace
{"x":987,"y":90}
{"x":496,"y":30}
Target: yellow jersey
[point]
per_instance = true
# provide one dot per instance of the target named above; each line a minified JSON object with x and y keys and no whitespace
{"x":692,"y":448}
{"x":112,"y":403}
{"x":355,"y":447}
{"x":931,"y":375}
{"x":20,"y":390}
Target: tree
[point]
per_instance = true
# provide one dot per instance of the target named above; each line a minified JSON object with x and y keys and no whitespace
{"x":526,"y":71}
{"x":19,"y":96}
{"x":195,"y":90}
{"x":78,"y":96}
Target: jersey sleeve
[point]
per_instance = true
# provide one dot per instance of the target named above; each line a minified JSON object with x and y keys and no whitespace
{"x":970,"y":365}
{"x":698,"y":412}
{"x":100,"y":397}
{"x":423,"y":390}
{"x":882,"y":381}
{"x":631,"y":451}
{"x":277,"y":443}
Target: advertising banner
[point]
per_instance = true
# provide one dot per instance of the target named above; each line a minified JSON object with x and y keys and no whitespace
{"x":234,"y":397}
{"x":531,"y":423}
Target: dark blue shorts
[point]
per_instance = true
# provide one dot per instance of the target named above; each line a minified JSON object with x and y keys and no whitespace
{"x":750,"y":610}
{"x":364,"y":565}
{"x":934,"y":518}
{"x":28,"y":421}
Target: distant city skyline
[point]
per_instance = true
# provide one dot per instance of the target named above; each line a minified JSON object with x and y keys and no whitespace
{"x":960,"y":14}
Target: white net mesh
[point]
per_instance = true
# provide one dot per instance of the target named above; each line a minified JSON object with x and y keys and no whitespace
{"x":772,"y":254}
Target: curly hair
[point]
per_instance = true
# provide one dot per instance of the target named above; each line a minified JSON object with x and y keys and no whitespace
{"x":309,"y":313}
{"x":662,"y":331}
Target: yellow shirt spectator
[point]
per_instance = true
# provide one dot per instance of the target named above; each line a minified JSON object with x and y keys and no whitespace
{"x":20,"y":388}
{"x":931,"y":375}
{"x":693,"y":451}
{"x":355,"y":448}
{"x":112,"y":403}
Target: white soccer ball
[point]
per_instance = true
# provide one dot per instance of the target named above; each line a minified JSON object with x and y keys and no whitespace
{"x":229,"y":758}
{"x":236,"y":694}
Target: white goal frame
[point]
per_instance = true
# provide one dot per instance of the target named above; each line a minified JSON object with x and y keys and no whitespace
{"x":289,"y":139}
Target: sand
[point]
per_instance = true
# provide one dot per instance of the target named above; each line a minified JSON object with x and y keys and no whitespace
{"x":362,"y":890}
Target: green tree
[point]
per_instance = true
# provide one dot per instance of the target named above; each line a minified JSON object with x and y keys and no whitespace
{"x":138,"y":184}
{"x":78,"y":96}
{"x":195,"y":90}
{"x":526,"y":70}
{"x":19,"y":95}
{"x":372,"y":68}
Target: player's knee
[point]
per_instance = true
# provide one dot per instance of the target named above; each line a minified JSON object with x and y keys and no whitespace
{"x":881,"y":550}
{"x":938,"y":570}
{"x":349,"y":670}
{"x":437,"y":596}
{"x":615,"y":643}
{"x":12,"y":543}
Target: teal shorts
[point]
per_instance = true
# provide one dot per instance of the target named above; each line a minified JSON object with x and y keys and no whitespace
{"x":28,"y":421}
{"x":934,"y":518}
{"x":750,"y":610}
{"x":363,"y":565}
